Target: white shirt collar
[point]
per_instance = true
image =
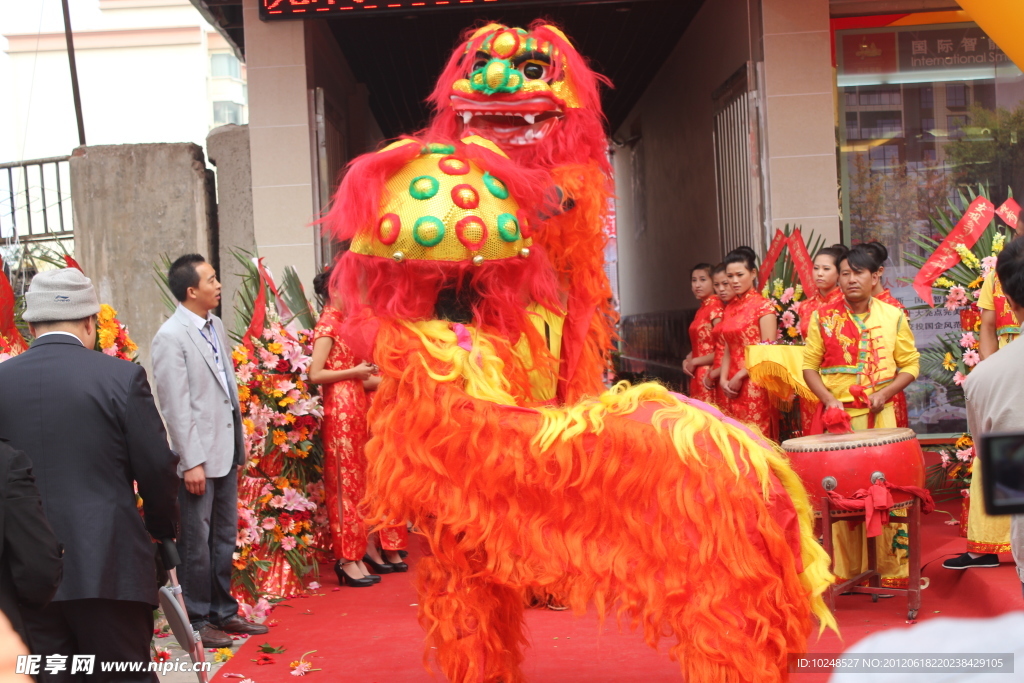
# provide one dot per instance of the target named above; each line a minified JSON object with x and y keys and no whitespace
{"x":75,"y":337}
{"x":198,"y":321}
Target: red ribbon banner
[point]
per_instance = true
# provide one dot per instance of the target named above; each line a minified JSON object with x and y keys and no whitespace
{"x":802,"y":262}
{"x":1009,"y":212}
{"x":967,"y":231}
{"x":774,"y":251}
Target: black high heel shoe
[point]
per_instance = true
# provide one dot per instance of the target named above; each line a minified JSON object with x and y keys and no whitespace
{"x":346,"y":580}
{"x":378,"y":567}
{"x":398,"y":567}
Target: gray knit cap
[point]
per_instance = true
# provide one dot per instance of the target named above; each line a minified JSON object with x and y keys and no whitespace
{"x":59,"y":295}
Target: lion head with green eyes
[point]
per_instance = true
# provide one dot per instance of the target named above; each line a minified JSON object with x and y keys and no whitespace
{"x":526,"y":90}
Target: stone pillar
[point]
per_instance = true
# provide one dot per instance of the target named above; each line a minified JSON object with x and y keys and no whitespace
{"x":801,"y":138}
{"x":132,"y":205}
{"x":228,"y":147}
{"x":280,"y":143}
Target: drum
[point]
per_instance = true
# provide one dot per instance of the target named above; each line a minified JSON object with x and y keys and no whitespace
{"x":848,"y":462}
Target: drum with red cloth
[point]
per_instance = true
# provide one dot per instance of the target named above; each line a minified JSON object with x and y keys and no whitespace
{"x":853,"y":460}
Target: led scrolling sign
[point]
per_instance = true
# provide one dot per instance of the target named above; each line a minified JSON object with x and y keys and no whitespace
{"x":271,"y":10}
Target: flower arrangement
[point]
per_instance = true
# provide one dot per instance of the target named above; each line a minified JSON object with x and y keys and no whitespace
{"x":282,"y":490}
{"x":960,"y":286}
{"x":951,"y":478}
{"x":112,"y":336}
{"x":786,"y":298}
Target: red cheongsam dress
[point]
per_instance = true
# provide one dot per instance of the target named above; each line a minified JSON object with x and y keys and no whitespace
{"x":740,"y":328}
{"x":702,"y":344}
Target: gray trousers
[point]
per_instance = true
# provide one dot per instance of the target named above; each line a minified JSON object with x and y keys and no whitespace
{"x":209,"y":529}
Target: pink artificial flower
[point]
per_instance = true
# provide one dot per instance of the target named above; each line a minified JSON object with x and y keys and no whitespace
{"x":956,"y":298}
{"x":787,"y":296}
{"x":269,"y":523}
{"x":966,"y":455}
{"x":971,"y":358}
{"x":111,"y":351}
{"x":292,"y":500}
{"x":313,"y":585}
{"x":966,"y":493}
{"x":988,"y":264}
{"x":268,"y":358}
{"x":288,"y":543}
{"x":302,"y":669}
{"x":968,"y":341}
{"x":946,"y":460}
{"x":788,"y":319}
{"x":959,"y":378}
{"x":5,"y":356}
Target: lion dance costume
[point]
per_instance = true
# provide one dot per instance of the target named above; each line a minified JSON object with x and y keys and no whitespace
{"x":474,"y":280}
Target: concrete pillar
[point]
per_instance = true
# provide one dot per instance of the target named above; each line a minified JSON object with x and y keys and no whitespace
{"x":280,"y":143}
{"x":228,"y":147}
{"x":132,"y":205}
{"x":799,"y":88}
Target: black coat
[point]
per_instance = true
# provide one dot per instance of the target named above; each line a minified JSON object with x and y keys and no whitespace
{"x":30,"y":562}
{"x":90,"y":427}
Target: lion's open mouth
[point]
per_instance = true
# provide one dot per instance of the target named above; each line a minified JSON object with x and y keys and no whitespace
{"x":524,"y":122}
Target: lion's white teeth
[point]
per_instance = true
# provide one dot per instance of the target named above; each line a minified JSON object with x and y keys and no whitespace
{"x":467,"y":116}
{"x":530,"y":118}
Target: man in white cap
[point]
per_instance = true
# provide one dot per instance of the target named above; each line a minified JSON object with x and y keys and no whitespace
{"x":89,"y":425}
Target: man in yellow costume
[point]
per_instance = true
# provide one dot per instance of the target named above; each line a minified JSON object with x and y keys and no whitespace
{"x":987,"y":536}
{"x":860,"y":353}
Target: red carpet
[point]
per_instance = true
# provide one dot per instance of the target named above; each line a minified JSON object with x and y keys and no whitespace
{"x":372,"y":635}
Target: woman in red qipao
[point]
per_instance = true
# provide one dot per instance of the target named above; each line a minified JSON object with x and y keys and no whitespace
{"x":826,"y":279}
{"x":749,"y":319}
{"x":344,"y":432}
{"x":702,"y":345}
{"x":724,"y":292}
{"x":882,"y":293}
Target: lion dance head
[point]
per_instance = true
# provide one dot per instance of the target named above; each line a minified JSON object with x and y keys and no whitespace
{"x":527,"y":90}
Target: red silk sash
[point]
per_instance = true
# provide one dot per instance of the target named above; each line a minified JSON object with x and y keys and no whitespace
{"x":967,"y":231}
{"x":768,"y":263}
{"x":802,"y":262}
{"x":1009,"y":212}
{"x":876,"y":501}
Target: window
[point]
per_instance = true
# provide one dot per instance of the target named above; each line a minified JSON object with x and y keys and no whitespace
{"x":886,"y":96}
{"x":955,"y":125}
{"x":927,"y":98}
{"x":956,"y":95}
{"x":226,"y":112}
{"x":852,"y":129}
{"x":225,"y":66}
{"x":884,"y":158}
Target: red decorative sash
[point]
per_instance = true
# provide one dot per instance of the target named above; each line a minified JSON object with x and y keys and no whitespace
{"x":1006,"y":321}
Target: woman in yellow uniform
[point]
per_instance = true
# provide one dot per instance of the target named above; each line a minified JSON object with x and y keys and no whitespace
{"x":987,"y":536}
{"x":859,"y":353}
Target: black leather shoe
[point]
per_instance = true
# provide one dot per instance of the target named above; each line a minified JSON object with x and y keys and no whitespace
{"x":378,"y":568}
{"x":346,"y":580}
{"x":364,"y":582}
{"x":399,"y":567}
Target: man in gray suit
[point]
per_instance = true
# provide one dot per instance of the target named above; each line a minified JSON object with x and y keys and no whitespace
{"x":195,"y":382}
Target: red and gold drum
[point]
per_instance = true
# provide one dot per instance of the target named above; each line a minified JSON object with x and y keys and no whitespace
{"x":853,"y":459}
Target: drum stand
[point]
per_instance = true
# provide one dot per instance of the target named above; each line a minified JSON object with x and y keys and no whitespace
{"x":874,"y":587}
